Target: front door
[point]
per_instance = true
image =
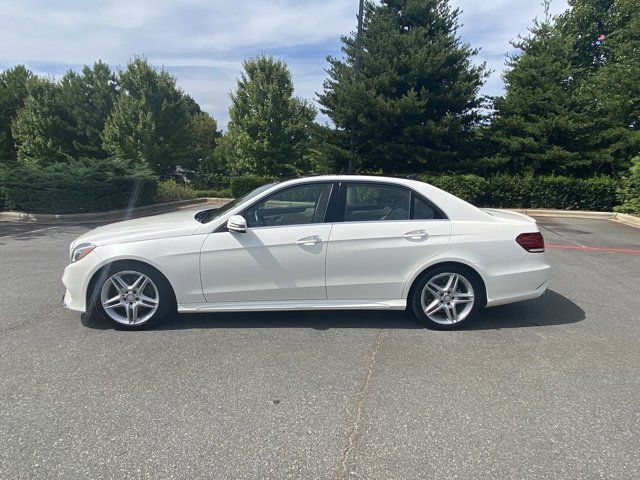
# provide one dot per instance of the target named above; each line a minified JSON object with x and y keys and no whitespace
{"x":280,"y":257}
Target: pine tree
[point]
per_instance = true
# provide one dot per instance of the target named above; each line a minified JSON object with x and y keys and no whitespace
{"x":539,"y":125}
{"x":415,"y":101}
{"x":587,"y":23}
{"x":269,"y":127}
{"x":610,"y":90}
{"x":89,"y":97}
{"x":13,"y":93}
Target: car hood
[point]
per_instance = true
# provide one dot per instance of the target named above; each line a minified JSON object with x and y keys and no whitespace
{"x":166,"y":225}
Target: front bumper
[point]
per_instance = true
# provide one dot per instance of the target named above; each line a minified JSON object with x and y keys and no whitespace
{"x":76,"y":279}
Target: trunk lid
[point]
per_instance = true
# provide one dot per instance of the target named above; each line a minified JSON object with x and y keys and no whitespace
{"x":509,"y":215}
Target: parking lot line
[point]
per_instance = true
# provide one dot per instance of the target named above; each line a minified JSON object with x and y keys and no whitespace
{"x":631,"y":251}
{"x":16,"y":234}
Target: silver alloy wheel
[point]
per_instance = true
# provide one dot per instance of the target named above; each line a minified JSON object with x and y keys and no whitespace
{"x":129,"y":297}
{"x":447,"y":298}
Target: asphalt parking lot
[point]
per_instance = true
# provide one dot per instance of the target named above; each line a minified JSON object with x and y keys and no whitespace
{"x":548,"y":388}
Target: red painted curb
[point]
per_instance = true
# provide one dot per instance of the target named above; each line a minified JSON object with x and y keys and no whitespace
{"x":632,"y":251}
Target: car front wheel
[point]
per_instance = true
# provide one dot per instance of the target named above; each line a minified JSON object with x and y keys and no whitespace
{"x":446,"y":297}
{"x":133,"y":296}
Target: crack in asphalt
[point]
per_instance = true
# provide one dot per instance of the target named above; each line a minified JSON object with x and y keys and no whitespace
{"x":35,"y":318}
{"x":359,"y":408}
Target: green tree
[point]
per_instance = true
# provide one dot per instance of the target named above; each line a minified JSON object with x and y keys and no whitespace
{"x":13,"y":93}
{"x":215,"y":168}
{"x":269,"y":127}
{"x":328,"y":151}
{"x":630,"y":189}
{"x":539,"y":125}
{"x":89,"y":97}
{"x":150,"y":119}
{"x":610,"y":92}
{"x":43,"y":127}
{"x":585,"y":23}
{"x":203,"y":135}
{"x":415,"y":101}
{"x":192,"y":105}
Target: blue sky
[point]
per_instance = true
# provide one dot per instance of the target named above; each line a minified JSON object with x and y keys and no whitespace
{"x":203,"y":42}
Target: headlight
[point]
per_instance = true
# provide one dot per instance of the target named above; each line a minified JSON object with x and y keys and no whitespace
{"x":81,"y":251}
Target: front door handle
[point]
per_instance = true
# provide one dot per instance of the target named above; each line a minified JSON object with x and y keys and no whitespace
{"x":416,"y":235}
{"x":312,"y":240}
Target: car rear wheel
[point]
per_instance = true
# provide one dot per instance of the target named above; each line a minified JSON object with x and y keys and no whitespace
{"x":133,"y":296}
{"x":446,"y":297}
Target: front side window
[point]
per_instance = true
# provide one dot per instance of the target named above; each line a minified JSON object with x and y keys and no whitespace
{"x":297,"y":205}
{"x":372,"y":203}
{"x":205,"y":216}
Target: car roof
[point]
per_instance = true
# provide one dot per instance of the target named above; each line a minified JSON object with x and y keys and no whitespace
{"x":355,"y":178}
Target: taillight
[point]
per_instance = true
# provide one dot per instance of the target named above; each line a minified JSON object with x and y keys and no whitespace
{"x":531,"y":242}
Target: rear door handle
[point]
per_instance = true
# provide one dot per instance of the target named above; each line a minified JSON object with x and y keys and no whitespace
{"x":312,"y":240}
{"x":416,"y":235}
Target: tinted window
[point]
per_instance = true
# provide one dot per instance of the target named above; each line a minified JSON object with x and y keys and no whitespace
{"x":206,"y":216}
{"x":423,"y":211}
{"x":370,"y":202}
{"x":292,"y":206}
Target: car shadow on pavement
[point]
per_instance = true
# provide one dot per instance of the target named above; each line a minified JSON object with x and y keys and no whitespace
{"x":551,"y":309}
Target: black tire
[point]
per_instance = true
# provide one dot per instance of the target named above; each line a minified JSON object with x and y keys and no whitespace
{"x":439,"y":273}
{"x":165,"y":295}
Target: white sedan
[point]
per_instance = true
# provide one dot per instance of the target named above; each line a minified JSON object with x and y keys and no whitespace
{"x":331,"y":242}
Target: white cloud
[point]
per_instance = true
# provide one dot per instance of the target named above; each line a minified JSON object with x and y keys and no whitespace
{"x":203,"y":42}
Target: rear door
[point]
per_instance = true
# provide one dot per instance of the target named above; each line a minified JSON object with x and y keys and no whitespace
{"x":382,"y":233}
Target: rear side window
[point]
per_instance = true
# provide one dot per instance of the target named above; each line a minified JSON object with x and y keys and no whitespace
{"x":423,"y":211}
{"x":370,"y":202}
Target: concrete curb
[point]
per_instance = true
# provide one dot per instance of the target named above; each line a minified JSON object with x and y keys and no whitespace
{"x":627,"y":219}
{"x":113,"y":214}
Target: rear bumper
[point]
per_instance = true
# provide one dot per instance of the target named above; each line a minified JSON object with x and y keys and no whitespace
{"x":514,"y":281}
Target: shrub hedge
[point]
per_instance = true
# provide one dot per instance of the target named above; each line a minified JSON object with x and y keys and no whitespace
{"x":244,"y":184}
{"x":466,"y":186}
{"x":85,"y":185}
{"x":89,"y":185}
{"x":630,"y":189}
{"x":171,"y":191}
{"x":509,"y":191}
{"x":221,"y":193}
{"x":3,"y":193}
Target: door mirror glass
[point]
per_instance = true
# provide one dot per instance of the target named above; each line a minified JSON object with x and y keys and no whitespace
{"x":237,"y":224}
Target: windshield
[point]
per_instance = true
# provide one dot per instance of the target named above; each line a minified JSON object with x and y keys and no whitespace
{"x":205,"y":216}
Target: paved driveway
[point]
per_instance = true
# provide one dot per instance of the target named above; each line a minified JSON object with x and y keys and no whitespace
{"x":546,"y":388}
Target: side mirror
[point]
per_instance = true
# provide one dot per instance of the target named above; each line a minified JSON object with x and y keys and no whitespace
{"x":237,"y":224}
